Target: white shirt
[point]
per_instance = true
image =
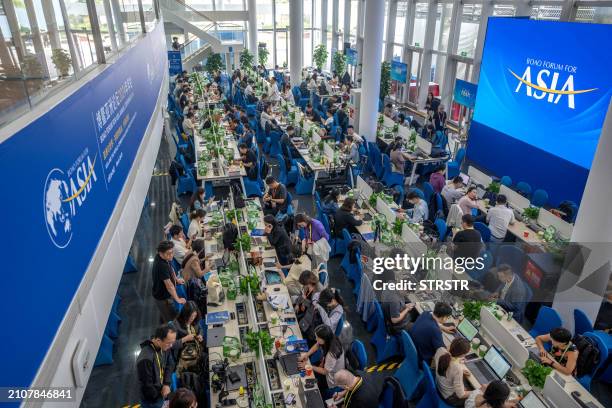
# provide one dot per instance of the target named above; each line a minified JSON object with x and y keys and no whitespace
{"x":248,"y":90}
{"x":188,"y":126}
{"x":505,"y":289}
{"x":451,"y":194}
{"x":312,"y":85}
{"x":265,"y":118}
{"x":180,"y":250}
{"x":499,"y":217}
{"x":194,"y":229}
{"x":273,"y":93}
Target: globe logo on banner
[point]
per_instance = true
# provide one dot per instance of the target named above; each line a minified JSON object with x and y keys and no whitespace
{"x":57,"y":209}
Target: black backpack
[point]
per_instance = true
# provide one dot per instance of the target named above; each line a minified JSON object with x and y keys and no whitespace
{"x":265,"y":169}
{"x":230,"y":233}
{"x":237,"y":193}
{"x":588,"y":355}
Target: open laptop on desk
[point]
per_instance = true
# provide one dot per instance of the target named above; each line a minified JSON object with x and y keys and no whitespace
{"x":531,"y":400}
{"x":466,"y":329}
{"x":492,"y":367}
{"x":310,"y":398}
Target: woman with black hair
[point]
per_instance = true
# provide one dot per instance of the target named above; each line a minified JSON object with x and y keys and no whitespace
{"x":330,"y":307}
{"x":189,"y":337}
{"x":450,"y":372}
{"x":344,"y":218}
{"x":493,"y":395}
{"x":196,"y":229}
{"x":279,"y":239}
{"x":330,"y":202}
{"x":563,"y":353}
{"x":194,"y":267}
{"x":330,"y":364}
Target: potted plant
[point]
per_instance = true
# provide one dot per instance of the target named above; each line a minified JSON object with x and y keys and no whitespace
{"x":319,"y":56}
{"x":32,"y":71}
{"x":395,"y":129}
{"x":246,"y":59}
{"x":262,"y":54}
{"x":471,"y":309}
{"x":385,"y":79}
{"x":339,"y":61}
{"x":214,"y":63}
{"x":243,"y":240}
{"x":536,"y":373}
{"x":62,"y":61}
{"x":531,"y":213}
{"x":494,"y":187}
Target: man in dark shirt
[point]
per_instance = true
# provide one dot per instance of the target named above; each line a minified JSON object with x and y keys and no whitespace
{"x":249,"y":160}
{"x":312,"y":114}
{"x":358,"y":391}
{"x":426,"y":332}
{"x":155,"y":366}
{"x":344,"y":218}
{"x":165,"y":281}
{"x":275,"y":199}
{"x":467,"y":243}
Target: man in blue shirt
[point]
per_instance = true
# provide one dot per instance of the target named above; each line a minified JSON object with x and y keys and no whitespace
{"x":420,"y":210}
{"x":426,"y":332}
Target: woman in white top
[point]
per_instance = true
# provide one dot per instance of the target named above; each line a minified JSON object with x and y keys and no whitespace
{"x":273,"y":92}
{"x":287,"y":95}
{"x":266,"y":116}
{"x":493,"y":395}
{"x":330,"y":307}
{"x":450,"y":371}
{"x":312,"y":84}
{"x":195,"y":226}
{"x":331,"y":363}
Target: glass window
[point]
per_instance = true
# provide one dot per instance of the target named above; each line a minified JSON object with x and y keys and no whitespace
{"x":204,"y":5}
{"x":316,"y":15}
{"x":282,"y":48}
{"x":397,"y":52}
{"x":504,"y":10}
{"x":340,"y":21}
{"x":386,"y":19}
{"x":443,"y":20}
{"x":420,"y":21}
{"x":228,"y":4}
{"x":307,"y":14}
{"x":282,"y":13}
{"x":330,"y":13}
{"x":468,"y":31}
{"x":438,"y":63}
{"x":131,"y":22}
{"x":264,"y":15}
{"x":601,"y":15}
{"x":354,"y":16}
{"x":400,"y":22}
{"x":266,"y":37}
{"x":307,"y":57}
{"x":546,"y":12}
{"x":149,"y":13}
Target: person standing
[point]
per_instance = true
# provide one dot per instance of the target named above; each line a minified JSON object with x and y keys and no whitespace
{"x":154,"y":367}
{"x":165,"y":281}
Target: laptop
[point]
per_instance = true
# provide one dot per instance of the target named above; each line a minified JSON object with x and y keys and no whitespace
{"x":480,"y":192}
{"x":492,"y":367}
{"x":215,"y":337}
{"x":466,"y":329}
{"x":531,"y":400}
{"x":310,"y":398}
{"x":289,"y":362}
{"x":465,"y":178}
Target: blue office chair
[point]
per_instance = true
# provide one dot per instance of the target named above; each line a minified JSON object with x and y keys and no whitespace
{"x":185,"y":223}
{"x":442,"y":228}
{"x":506,"y":181}
{"x":454,"y":167}
{"x":410,"y":373}
{"x":586,"y":379}
{"x":253,"y":188}
{"x":523,"y":188}
{"x":479,"y":274}
{"x":391,"y":178}
{"x":112,"y":325}
{"x":431,"y":398}
{"x":428,"y":191}
{"x":539,"y":198}
{"x":342,"y":243}
{"x":547,"y":319}
{"x":418,"y":191}
{"x":286,"y":177}
{"x":582,"y":323}
{"x":304,"y":184}
{"x":512,"y":255}
{"x":340,"y":326}
{"x":484,"y":230}
{"x":386,"y":346}
{"x":323,"y":278}
{"x":130,"y":265}
{"x":105,"y":352}
{"x":359,"y":351}
{"x":392,"y":391}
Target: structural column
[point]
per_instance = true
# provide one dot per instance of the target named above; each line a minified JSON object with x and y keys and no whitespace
{"x":324,"y":22}
{"x":119,"y":18}
{"x":347,"y":21}
{"x":36,"y":38}
{"x":487,"y":11}
{"x":252,"y":14}
{"x":334,"y":39}
{"x":585,"y":287}
{"x":296,"y":28}
{"x":11,"y":16}
{"x":372,"y":57}
{"x":359,"y":69}
{"x":430,"y":31}
{"x":49,"y":13}
{"x":392,"y":17}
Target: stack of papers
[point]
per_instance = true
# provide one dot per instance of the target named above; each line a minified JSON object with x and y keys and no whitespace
{"x":279,"y":301}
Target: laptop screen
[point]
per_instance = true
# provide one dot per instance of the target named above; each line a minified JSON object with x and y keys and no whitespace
{"x":497,"y":362}
{"x":531,"y":400}
{"x":465,"y":178}
{"x":467,"y":329}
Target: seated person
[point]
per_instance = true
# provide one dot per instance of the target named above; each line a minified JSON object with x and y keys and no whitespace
{"x":420,"y":209}
{"x":329,"y":120}
{"x":395,"y":309}
{"x":306,"y":305}
{"x":249,"y":160}
{"x":279,"y":240}
{"x":450,"y":372}
{"x":344,"y":218}
{"x":453,"y":191}
{"x":563,"y":353}
{"x":247,"y":136}
{"x":312,"y":114}
{"x":469,"y":201}
{"x":357,"y":391}
{"x":467,"y":243}
{"x":330,"y":307}
{"x":301,"y":263}
{"x":398,"y":158}
{"x":499,"y":218}
{"x":513,"y":294}
{"x":437,"y":178}
{"x":329,"y":205}
{"x":426,"y":332}
{"x":332,"y":362}
{"x":188,"y":330}
{"x":275,"y":199}
{"x":314,"y":234}
{"x":492,"y":395}
{"x":181,"y":243}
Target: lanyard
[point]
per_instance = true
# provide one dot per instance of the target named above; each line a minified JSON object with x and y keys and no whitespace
{"x":347,"y":400}
{"x":161,"y":369}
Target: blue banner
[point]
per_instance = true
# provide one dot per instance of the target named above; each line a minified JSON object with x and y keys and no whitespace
{"x":175,"y":64}
{"x":399,"y":71}
{"x":351,"y":56}
{"x":543,"y":94}
{"x":64,"y":173}
{"x":465,"y":93}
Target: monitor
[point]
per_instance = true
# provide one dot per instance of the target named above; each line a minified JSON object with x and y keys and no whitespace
{"x":416,"y":248}
{"x":514,"y":199}
{"x":364,"y":187}
{"x":497,"y":362}
{"x":467,"y":329}
{"x":423,"y":145}
{"x":546,"y":218}
{"x":315,"y":135}
{"x":383,"y":208}
{"x":505,"y":335}
{"x":478,"y":177}
{"x":531,"y":400}
{"x":465,"y":178}
{"x":329,"y":152}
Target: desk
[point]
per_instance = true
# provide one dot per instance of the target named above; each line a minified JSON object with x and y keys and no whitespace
{"x":517,"y":229}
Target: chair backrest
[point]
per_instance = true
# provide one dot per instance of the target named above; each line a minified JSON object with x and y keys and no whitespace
{"x":539,"y":198}
{"x":185,"y":223}
{"x":431,"y":397}
{"x":442,"y":229}
{"x":523,"y":188}
{"x":428,"y":191}
{"x":460,"y":156}
{"x":346,"y":235}
{"x":340,"y":326}
{"x":418,"y":191}
{"x":484,"y":230}
{"x":392,"y":390}
{"x":359,"y":352}
{"x":603,"y":350}
{"x":317,"y":197}
{"x":506,"y":181}
{"x":323,"y":278}
{"x":582,"y":323}
{"x":547,"y":319}
{"x":512,"y":255}
{"x":386,"y":163}
{"x":281,"y":164}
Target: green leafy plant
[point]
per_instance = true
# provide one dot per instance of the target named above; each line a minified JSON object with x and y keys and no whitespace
{"x":233,"y":215}
{"x":381,"y":119}
{"x":262,"y":54}
{"x":214,"y":63}
{"x":243,"y":240}
{"x":31,"y":67}
{"x":494,"y":187}
{"x":319,"y":56}
{"x":395,"y":129}
{"x":385,"y":79}
{"x":471,"y":309}
{"x":536,"y":373}
{"x":397,"y":226}
{"x":531,"y":213}
{"x":339,"y":61}
{"x":62,"y":61}
{"x":252,"y":341}
{"x":246,"y":59}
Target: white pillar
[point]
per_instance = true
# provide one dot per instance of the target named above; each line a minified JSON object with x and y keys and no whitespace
{"x":120,"y":24}
{"x":430,"y":32}
{"x":372,"y":58}
{"x":36,"y":37}
{"x":360,"y":23}
{"x":347,"y":21}
{"x":593,"y":231}
{"x":334,"y":34}
{"x":49,"y":14}
{"x":487,"y":11}
{"x":324,"y":22}
{"x":252,"y":14}
{"x":296,"y":28}
{"x":111,"y":24}
{"x":390,"y":34}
